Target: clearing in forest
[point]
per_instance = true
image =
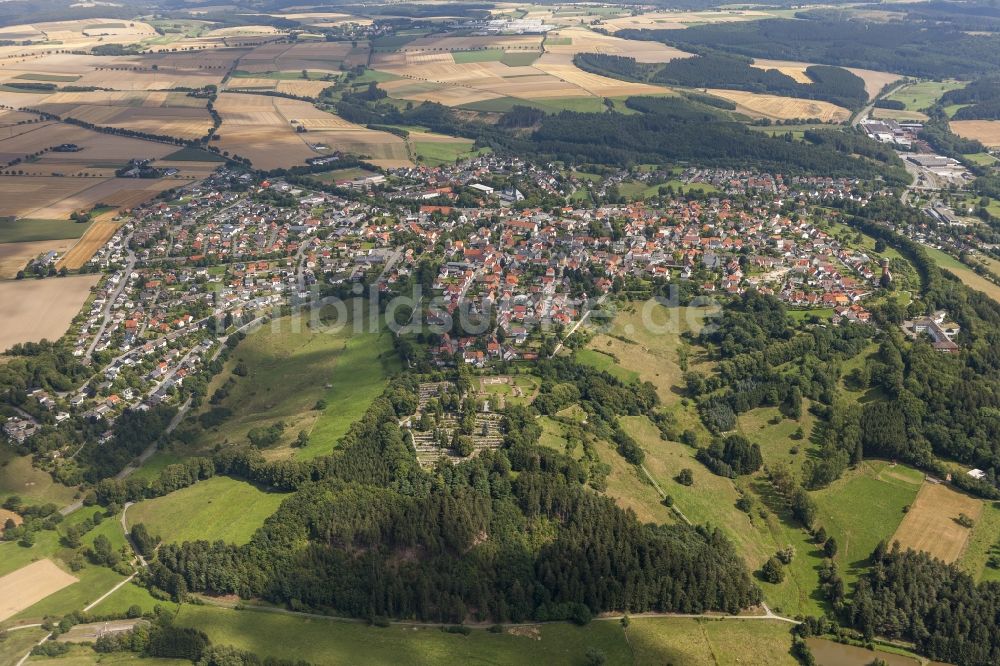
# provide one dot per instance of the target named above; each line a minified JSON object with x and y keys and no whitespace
{"x":931,"y":524}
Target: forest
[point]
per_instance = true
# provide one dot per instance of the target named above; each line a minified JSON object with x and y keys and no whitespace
{"x":913,"y":49}
{"x":982,"y":97}
{"x":719,"y":70}
{"x":369,"y":534}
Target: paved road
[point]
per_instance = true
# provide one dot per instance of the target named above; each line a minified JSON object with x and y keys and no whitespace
{"x":866,"y":111}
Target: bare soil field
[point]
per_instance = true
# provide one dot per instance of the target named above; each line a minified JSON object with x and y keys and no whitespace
{"x":14,"y":256}
{"x":930,"y":525}
{"x":782,"y":108}
{"x":96,"y":149}
{"x":100,"y":231}
{"x":986,"y":132}
{"x":171,"y":114}
{"x":314,"y":56}
{"x":29,"y":585}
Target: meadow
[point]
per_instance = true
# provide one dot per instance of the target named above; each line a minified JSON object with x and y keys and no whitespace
{"x":329,"y":641}
{"x":919,"y":96}
{"x":220,"y":508}
{"x":289,"y":371}
{"x":968,"y":276}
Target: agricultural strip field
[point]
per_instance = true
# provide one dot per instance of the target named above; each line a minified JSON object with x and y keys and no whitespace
{"x":29,"y":585}
{"x":41,"y":309}
{"x":15,"y":256}
{"x":266,"y":131}
{"x":931,"y":524}
{"x":968,"y":276}
{"x":101,"y":230}
{"x":219,"y":508}
{"x":30,"y":230}
{"x":987,"y":132}
{"x":781,"y":108}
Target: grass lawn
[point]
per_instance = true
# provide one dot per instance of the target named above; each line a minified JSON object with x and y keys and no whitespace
{"x":711,"y":499}
{"x":132,"y":595}
{"x":983,"y":543}
{"x":93,"y":582}
{"x":921,"y":95}
{"x":477,"y":55}
{"x":968,"y":276}
{"x":342,"y":174}
{"x":189,"y":154}
{"x":322,"y":641}
{"x":84,"y":655}
{"x":291,"y":367}
{"x":19,"y":643}
{"x":604,"y":361}
{"x":155,"y":464}
{"x":982,"y":159}
{"x":775,"y":439}
{"x":19,"y":477}
{"x":710,"y":642}
{"x":436,"y":153}
{"x":645,"y":341}
{"x":220,"y":508}
{"x":24,"y":230}
{"x":864,"y":507}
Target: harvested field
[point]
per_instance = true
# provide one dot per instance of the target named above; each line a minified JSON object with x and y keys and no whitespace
{"x":14,"y":256}
{"x":930,"y":525}
{"x":101,"y":230}
{"x":303,"y":88}
{"x":29,"y":585}
{"x":678,"y":20}
{"x":466,"y":43}
{"x":264,"y":129}
{"x":56,"y":198}
{"x":41,"y":309}
{"x":986,"y":132}
{"x":901,"y":116}
{"x":581,"y":40}
{"x":96,"y":150}
{"x":782,"y":108}
{"x":312,"y":56}
{"x":796,"y":70}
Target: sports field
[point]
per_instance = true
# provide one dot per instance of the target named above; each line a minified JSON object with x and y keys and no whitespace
{"x":220,"y":508}
{"x":931,"y":525}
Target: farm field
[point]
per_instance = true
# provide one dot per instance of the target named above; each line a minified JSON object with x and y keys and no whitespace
{"x":874,"y":81}
{"x":919,"y":96}
{"x":931,"y":523}
{"x":14,"y":256}
{"x":220,"y":508}
{"x":101,"y":229}
{"x":459,"y":71}
{"x":710,"y":642}
{"x":38,"y":230}
{"x":987,"y":132}
{"x":679,"y":20}
{"x":968,"y":276}
{"x":781,"y":108}
{"x":289,"y":372}
{"x":29,"y":585}
{"x":41,"y":309}
{"x":264,"y":130}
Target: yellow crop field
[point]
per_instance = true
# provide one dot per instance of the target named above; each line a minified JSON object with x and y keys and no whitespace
{"x":931,"y":523}
{"x":782,"y":108}
{"x":986,"y":132}
{"x":29,"y":585}
{"x":100,"y":231}
{"x":581,"y":40}
{"x":678,"y":20}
